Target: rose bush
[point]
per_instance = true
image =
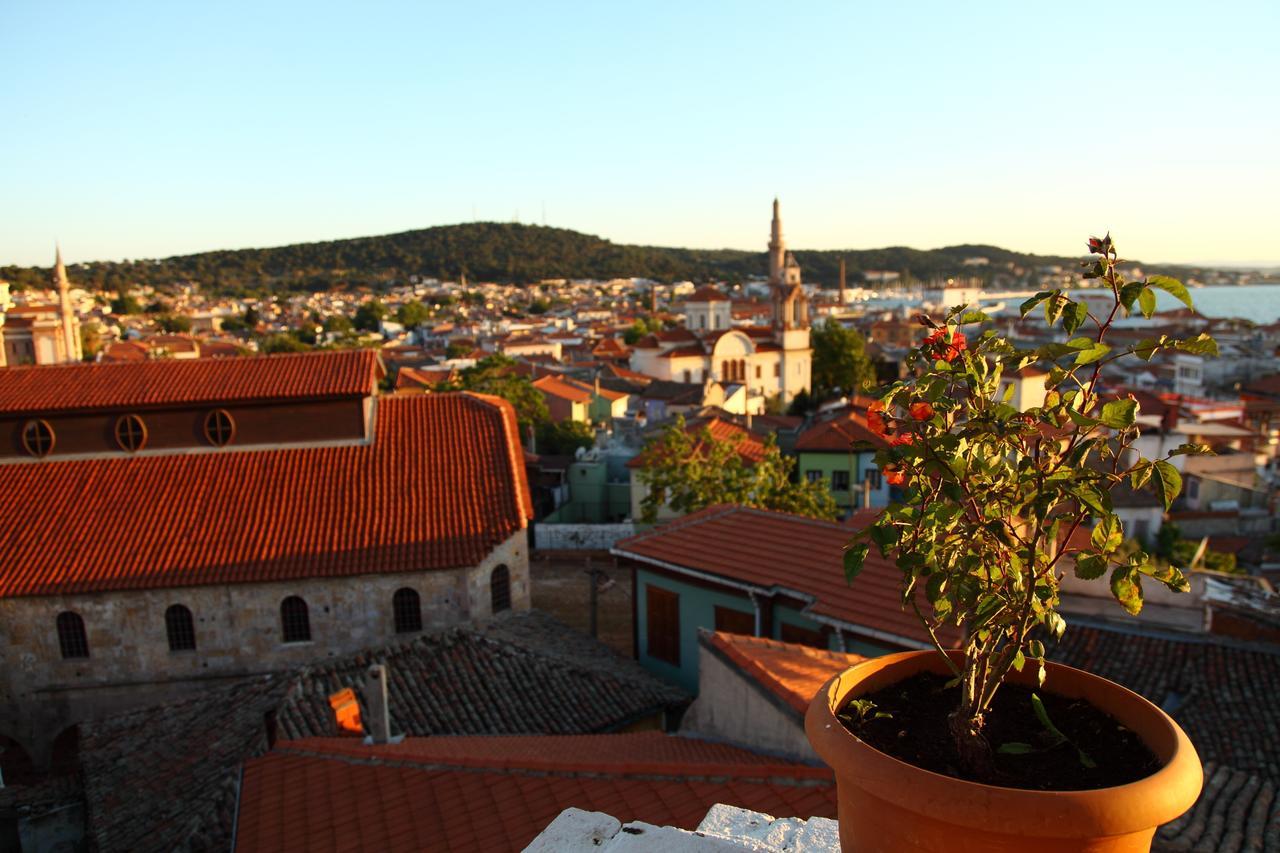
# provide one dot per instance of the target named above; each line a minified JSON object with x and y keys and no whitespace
{"x":993,"y":497}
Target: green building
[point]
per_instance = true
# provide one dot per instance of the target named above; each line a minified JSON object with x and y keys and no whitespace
{"x":839,"y":449}
{"x":769,"y":574}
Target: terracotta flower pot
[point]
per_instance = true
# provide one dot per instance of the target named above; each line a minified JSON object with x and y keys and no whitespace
{"x":891,"y":806}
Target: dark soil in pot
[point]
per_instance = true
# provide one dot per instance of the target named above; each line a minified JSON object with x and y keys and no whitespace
{"x":916,"y":732}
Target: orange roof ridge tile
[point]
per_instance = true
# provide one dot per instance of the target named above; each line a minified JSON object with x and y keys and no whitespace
{"x":792,"y":672}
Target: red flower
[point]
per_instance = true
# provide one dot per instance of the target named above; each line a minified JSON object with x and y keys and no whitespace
{"x":875,"y":420}
{"x":1100,"y":246}
{"x":903,"y":438}
{"x":958,"y":345}
{"x":921,"y":411}
{"x":894,"y":476}
{"x":935,"y":338}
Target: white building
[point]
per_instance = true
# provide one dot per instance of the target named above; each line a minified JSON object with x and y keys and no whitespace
{"x":773,"y":360}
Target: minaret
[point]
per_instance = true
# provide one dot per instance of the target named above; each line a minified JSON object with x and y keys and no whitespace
{"x":777,"y":247}
{"x":70,"y":336}
{"x":842,"y":283}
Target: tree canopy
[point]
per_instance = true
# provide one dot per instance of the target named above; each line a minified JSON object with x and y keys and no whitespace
{"x":692,"y":471}
{"x":840,"y":361}
{"x":496,"y":375}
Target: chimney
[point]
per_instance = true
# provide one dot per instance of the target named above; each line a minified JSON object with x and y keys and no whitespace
{"x":1169,"y":420}
{"x":378,"y":726}
{"x":653,"y":300}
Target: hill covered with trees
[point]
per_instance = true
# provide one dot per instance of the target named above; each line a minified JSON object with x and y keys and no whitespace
{"x":499,"y":252}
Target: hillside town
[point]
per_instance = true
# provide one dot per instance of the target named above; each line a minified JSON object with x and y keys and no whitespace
{"x":458,"y":565}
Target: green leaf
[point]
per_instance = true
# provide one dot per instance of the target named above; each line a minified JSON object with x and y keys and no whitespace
{"x":1201,"y":344}
{"x":1119,"y":414}
{"x":1127,"y":589}
{"x":1097,"y":502}
{"x":854,"y":556}
{"x":1056,"y":625}
{"x":973,"y":317}
{"x":1140,"y":474}
{"x":1108,"y":535}
{"x":1168,"y":482}
{"x":1019,"y":661}
{"x":1081,"y":420}
{"x":1192,"y":450}
{"x":1129,"y":294}
{"x":1031,"y":303}
{"x":1095,"y":352}
{"x":1168,"y":575}
{"x":1014,"y":748}
{"x":1171,"y":286}
{"x":1053,"y":307}
{"x":1043,"y":716}
{"x":1074,"y":315}
{"x":1090,"y":567}
{"x":1147,"y":302}
{"x":1147,"y":347}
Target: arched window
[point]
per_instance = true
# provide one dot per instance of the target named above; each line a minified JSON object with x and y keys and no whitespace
{"x":294,"y":621}
{"x":181,"y":629}
{"x":71,"y":636}
{"x":131,"y":433}
{"x":219,"y":428}
{"x":406,"y":604}
{"x":38,"y":438}
{"x":500,"y":589}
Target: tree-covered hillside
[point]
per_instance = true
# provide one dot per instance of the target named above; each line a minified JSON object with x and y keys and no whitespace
{"x":490,"y":251}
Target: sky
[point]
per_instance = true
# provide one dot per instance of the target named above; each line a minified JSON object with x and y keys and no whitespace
{"x":139,"y":130}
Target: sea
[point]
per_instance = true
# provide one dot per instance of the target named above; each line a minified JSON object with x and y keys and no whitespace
{"x":1257,"y":302}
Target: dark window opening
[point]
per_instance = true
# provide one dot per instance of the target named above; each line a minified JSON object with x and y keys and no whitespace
{"x":38,"y":438}
{"x":131,"y":433}
{"x":872,"y":475}
{"x":840,"y":481}
{"x":406,"y":605}
{"x":662,"y":624}
{"x":294,"y":621}
{"x":803,"y":636}
{"x":500,"y":589}
{"x":219,"y":428}
{"x":71,"y":636}
{"x":733,"y":621}
{"x":181,"y":629}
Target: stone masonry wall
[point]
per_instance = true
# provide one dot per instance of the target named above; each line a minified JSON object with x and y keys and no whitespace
{"x":238,"y":633}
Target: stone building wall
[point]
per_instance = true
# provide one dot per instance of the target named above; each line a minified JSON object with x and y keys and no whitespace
{"x":238,"y":633}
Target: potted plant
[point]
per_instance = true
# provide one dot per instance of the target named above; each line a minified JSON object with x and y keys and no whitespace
{"x":990,"y":747}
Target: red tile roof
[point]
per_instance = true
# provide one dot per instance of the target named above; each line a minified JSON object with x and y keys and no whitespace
{"x":706,"y":293}
{"x":342,"y":796}
{"x":442,"y":483}
{"x":839,"y":434}
{"x":779,"y":551}
{"x":166,"y":382}
{"x":790,"y":671}
{"x":557,"y":387}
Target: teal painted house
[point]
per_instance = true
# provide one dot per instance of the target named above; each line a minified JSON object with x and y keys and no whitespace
{"x":839,"y":449}
{"x":768,"y":574}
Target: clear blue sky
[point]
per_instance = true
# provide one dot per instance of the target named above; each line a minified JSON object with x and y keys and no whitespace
{"x":151,"y":129}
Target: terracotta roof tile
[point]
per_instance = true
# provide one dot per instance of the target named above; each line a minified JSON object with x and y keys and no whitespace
{"x":775,"y":550}
{"x":839,"y":433}
{"x":790,"y":671}
{"x":164,"y":382}
{"x":341,"y":802}
{"x":442,"y":483}
{"x":706,"y":293}
{"x":557,"y":387}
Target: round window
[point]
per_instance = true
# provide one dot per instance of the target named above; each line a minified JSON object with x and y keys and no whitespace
{"x":131,"y":433}
{"x":37,"y":438}
{"x":219,"y":428}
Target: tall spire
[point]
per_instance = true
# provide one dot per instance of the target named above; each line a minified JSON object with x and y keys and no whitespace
{"x":66,"y":314}
{"x":777,"y":246}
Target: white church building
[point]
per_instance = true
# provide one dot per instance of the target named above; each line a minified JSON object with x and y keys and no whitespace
{"x":769,"y":361}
